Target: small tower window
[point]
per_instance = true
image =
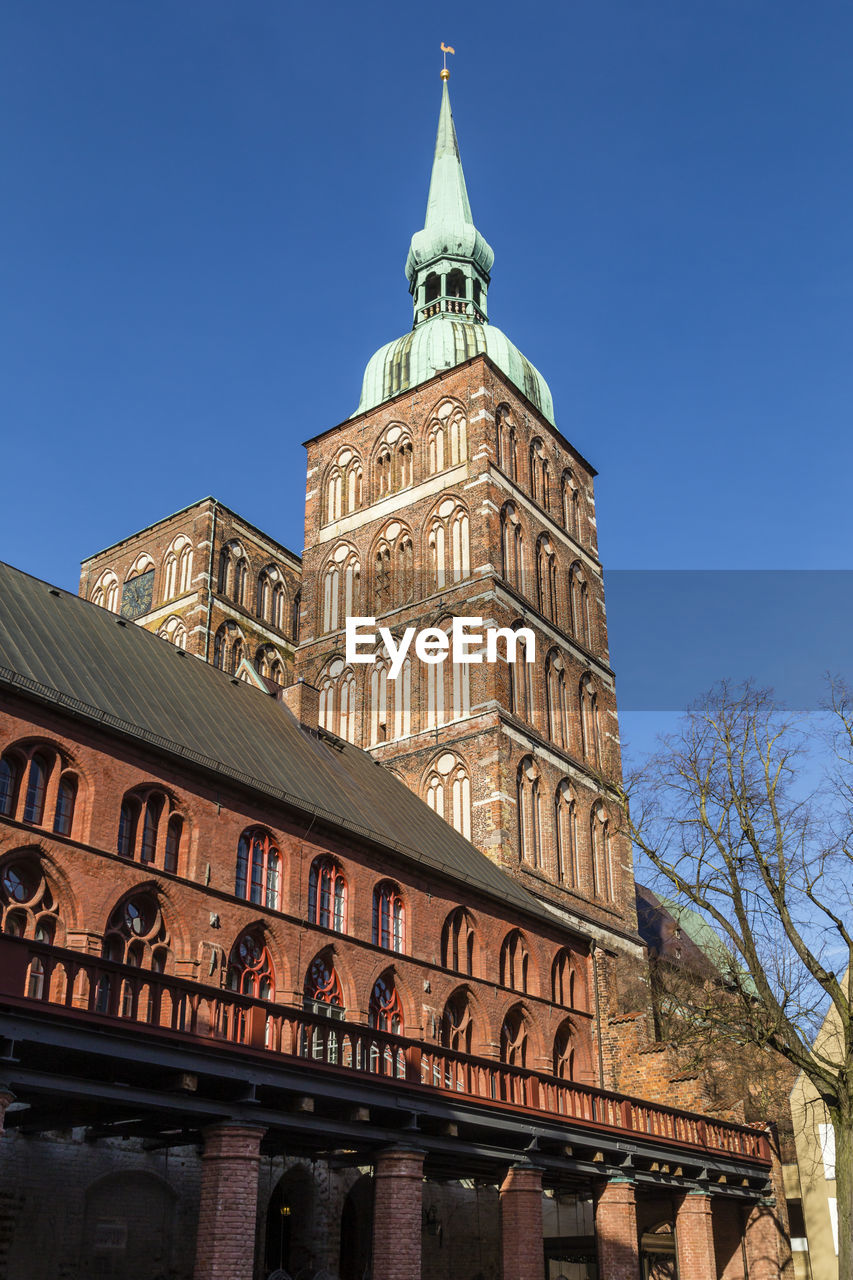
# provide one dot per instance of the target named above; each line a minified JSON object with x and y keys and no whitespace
{"x":432,"y":287}
{"x":456,"y":284}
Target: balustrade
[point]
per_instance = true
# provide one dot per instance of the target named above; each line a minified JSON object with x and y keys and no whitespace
{"x":36,"y":973}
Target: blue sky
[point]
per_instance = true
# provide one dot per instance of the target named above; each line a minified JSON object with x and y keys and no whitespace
{"x":206,"y":208}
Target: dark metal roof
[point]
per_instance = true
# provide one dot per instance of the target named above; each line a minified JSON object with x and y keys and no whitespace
{"x":77,"y":656}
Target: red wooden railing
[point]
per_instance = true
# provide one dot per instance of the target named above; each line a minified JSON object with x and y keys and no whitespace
{"x":33,"y":973}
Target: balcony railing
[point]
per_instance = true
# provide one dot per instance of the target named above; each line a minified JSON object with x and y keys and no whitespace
{"x":35,"y":974}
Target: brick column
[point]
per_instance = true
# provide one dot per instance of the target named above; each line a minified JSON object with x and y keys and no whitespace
{"x":228,"y":1208}
{"x":522,"y":1247}
{"x":397,"y":1214}
{"x":694,"y":1238}
{"x":616,"y":1236}
{"x":761,"y":1238}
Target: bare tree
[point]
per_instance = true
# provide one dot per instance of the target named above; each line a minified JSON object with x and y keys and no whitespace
{"x":728,"y":814}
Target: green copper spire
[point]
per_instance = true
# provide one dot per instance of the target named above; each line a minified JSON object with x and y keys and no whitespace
{"x":448,"y":272}
{"x":449,"y":261}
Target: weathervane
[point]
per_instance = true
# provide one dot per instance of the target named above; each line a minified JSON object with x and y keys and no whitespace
{"x":446,"y":49}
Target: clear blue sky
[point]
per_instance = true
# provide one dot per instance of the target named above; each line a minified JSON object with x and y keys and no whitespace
{"x":205,"y":212}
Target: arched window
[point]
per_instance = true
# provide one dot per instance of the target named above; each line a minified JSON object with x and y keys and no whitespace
{"x":27,"y":905}
{"x":506,"y":443}
{"x":250,"y":969}
{"x":145,"y":819}
{"x":389,"y":917}
{"x":579,"y":606}
{"x":564,"y":1053}
{"x":136,"y":935}
{"x":514,"y":1038}
{"x":457,"y":1023}
{"x":385,"y":1012}
{"x":228,"y":647}
{"x":589,"y":720}
{"x":393,"y":568}
{"x":448,"y":690}
{"x":106,"y":591}
{"x":322,"y":988}
{"x":447,"y":544}
{"x":513,"y":547}
{"x":393,"y":461}
{"x":37,"y":776}
{"x":540,"y":475}
{"x":152,"y":813}
{"x":174,"y":631}
{"x":446,"y":437}
{"x":10,"y":782}
{"x":174,"y":834}
{"x":514,"y":961}
{"x":66,"y":799}
{"x":571,"y":505}
{"x":294,"y":617}
{"x":563,"y":979}
{"x":521,"y":684}
{"x":558,"y":712}
{"x":566,"y":824}
{"x":340,"y":587}
{"x":343,"y":486}
{"x":447,"y":790}
{"x":233,"y":572}
{"x":258,"y":869}
{"x":457,"y":942}
{"x":177,"y":568}
{"x":599,"y":843}
{"x":529,"y":813}
{"x":546,"y":578}
{"x":337,"y":700}
{"x":327,"y":895}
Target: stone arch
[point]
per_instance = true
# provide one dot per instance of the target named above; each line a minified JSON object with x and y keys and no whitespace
{"x":288,"y":1237}
{"x":140,"y":1208}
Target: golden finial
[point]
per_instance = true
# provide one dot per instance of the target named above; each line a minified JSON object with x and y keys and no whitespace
{"x":446,"y":49}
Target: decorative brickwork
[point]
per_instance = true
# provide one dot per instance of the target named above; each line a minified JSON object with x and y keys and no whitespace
{"x":521,"y":1224}
{"x":397,"y":1212}
{"x":227,"y":1217}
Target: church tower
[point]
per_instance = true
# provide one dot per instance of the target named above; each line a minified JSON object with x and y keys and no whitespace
{"x":451,"y":492}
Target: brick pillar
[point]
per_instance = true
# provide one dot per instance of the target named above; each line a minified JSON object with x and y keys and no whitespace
{"x":616,"y":1236}
{"x":522,"y":1247}
{"x":397,"y":1214}
{"x":694,"y":1238}
{"x":228,"y":1208}
{"x":762,"y":1242}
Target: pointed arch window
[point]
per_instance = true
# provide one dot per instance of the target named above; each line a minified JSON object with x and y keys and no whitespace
{"x":571,"y":498}
{"x":447,"y":437}
{"x":546,"y":578}
{"x":514,"y":962}
{"x":152,"y":814}
{"x":385,"y":1011}
{"x":389,"y":917}
{"x":566,"y":825}
{"x":579,"y":606}
{"x":457,"y":942}
{"x":66,"y":799}
{"x":106,"y":591}
{"x":258,"y":875}
{"x":322,"y":988}
{"x":448,"y":545}
{"x":529,"y":813}
{"x":564,"y":1053}
{"x":514,"y":1039}
{"x":10,"y":781}
{"x":521,"y":684}
{"x":447,"y":790}
{"x":513,"y":547}
{"x":457,"y":1024}
{"x":590,"y":722}
{"x":558,"y":712}
{"x":599,"y":841}
{"x":37,"y":776}
{"x":250,"y":968}
{"x":174,"y":631}
{"x":540,"y":475}
{"x":327,"y":895}
{"x":563,"y":979}
{"x":172,"y":852}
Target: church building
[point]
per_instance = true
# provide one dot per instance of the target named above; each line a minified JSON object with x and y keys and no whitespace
{"x":318,"y":966}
